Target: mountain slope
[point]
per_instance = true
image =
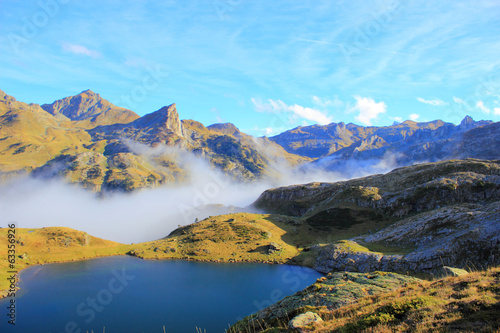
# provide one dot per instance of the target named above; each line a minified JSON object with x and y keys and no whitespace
{"x":29,"y":137}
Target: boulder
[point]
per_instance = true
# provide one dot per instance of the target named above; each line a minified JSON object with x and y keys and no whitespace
{"x":273,"y":247}
{"x":446,"y":271}
{"x":304,"y":322}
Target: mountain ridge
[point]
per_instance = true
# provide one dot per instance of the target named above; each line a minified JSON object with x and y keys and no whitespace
{"x":87,"y":140}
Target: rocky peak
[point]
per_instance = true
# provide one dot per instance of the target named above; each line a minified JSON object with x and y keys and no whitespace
{"x":85,"y":104}
{"x":90,"y":106}
{"x":166,"y":117}
{"x":467,"y":122}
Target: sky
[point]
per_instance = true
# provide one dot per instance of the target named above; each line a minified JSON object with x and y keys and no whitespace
{"x":266,"y":66}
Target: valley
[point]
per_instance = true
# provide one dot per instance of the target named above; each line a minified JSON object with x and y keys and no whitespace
{"x":378,"y":237}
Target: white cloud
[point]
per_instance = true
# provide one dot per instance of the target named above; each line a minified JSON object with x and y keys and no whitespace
{"x":414,"y":116}
{"x":269,"y":130}
{"x":496,"y":111}
{"x":459,"y":100}
{"x":326,"y":102}
{"x":435,"y":102}
{"x":396,"y":119}
{"x":480,"y":105}
{"x":368,"y":109}
{"x":297,"y":111}
{"x":80,"y":49}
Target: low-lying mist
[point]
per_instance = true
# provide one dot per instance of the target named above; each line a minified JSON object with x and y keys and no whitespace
{"x":147,"y":214}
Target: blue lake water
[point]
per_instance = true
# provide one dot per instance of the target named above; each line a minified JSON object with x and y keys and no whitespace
{"x":126,"y":294}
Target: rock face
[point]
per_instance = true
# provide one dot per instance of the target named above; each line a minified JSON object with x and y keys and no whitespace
{"x":446,"y":271}
{"x":445,"y":213}
{"x":165,"y":118}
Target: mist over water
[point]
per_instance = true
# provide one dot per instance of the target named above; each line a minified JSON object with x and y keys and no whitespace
{"x":147,"y":214}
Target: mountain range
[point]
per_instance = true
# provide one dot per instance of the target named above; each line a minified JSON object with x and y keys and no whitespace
{"x":85,"y":139}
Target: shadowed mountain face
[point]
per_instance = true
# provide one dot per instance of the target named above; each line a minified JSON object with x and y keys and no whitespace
{"x":338,"y":139}
{"x":347,"y":149}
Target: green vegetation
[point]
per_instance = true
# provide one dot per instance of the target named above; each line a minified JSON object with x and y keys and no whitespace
{"x":233,"y":237}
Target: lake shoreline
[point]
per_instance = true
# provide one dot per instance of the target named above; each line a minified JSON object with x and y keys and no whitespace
{"x":4,"y":292}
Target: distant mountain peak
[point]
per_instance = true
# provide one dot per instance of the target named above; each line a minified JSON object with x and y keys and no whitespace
{"x":225,"y":128}
{"x":467,"y":120}
{"x":90,"y":94}
{"x":90,"y":106}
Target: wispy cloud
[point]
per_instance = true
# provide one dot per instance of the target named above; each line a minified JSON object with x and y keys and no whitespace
{"x":459,"y":101}
{"x":368,"y":109}
{"x":480,"y":105}
{"x":435,"y":102}
{"x":80,"y":49}
{"x":396,"y":119}
{"x":327,"y":102}
{"x":296,"y":111}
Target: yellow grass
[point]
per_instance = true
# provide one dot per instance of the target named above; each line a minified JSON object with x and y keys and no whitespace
{"x":50,"y":245}
{"x":233,"y":237}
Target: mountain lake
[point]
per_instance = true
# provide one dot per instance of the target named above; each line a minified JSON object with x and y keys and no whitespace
{"x":126,"y":294}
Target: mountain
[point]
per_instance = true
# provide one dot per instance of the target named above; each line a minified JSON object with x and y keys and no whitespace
{"x":89,"y":110}
{"x":87,"y":140}
{"x":468,"y":140}
{"x":338,"y":138}
{"x":353,"y":150}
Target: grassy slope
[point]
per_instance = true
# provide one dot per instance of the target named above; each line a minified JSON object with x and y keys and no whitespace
{"x":53,"y":244}
{"x":329,"y":292}
{"x":469,"y":303}
{"x":233,"y":237}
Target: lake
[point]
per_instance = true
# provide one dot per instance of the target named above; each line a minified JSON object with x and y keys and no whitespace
{"x":127,"y":294}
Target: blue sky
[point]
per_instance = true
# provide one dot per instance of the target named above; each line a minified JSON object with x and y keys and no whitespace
{"x":265,"y":66}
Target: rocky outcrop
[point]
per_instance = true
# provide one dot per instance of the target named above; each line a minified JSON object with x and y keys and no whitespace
{"x":434,"y":215}
{"x":466,"y":236}
{"x":401,"y":192}
{"x":165,"y":118}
